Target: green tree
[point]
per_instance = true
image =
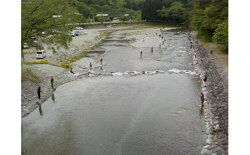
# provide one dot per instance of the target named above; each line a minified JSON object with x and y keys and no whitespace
{"x":99,"y":19}
{"x":84,"y":9}
{"x":123,"y":18}
{"x":134,"y":4}
{"x":175,"y":14}
{"x":206,"y":16}
{"x":54,"y":17}
{"x":221,"y":34}
{"x":149,"y":9}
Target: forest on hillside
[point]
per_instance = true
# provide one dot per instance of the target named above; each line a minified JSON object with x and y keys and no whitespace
{"x":89,"y":8}
{"x":208,"y":17}
{"x":57,"y":18}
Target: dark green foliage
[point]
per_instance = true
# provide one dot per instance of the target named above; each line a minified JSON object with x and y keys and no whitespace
{"x":89,"y":8}
{"x":38,"y":16}
{"x":123,"y":18}
{"x":150,"y":8}
{"x":134,"y":4}
{"x":99,"y":19}
{"x":84,"y":9}
{"x":221,"y":34}
{"x":207,"y":17}
{"x":175,"y":14}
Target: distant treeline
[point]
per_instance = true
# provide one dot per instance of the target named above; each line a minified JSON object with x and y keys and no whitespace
{"x":208,"y":17}
{"x":89,"y":8}
{"x":57,"y":18}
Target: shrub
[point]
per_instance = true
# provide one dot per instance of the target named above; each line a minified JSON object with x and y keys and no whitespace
{"x":28,"y":75}
{"x":36,"y":62}
{"x":65,"y":66}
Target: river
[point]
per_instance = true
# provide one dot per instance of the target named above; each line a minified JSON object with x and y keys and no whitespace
{"x":153,"y":114}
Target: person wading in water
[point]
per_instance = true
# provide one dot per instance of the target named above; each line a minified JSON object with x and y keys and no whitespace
{"x":90,"y":65}
{"x":101,"y":61}
{"x":71,"y":71}
{"x":202,"y":99}
{"x":52,"y":82}
{"x":39,"y":92}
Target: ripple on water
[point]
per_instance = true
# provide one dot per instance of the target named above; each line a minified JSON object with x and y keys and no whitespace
{"x":178,"y":71}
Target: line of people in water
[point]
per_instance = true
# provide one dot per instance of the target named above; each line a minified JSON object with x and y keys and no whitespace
{"x":52,"y":86}
{"x":202,"y":97}
{"x":39,"y":95}
{"x":152,"y":48}
{"x":205,"y":76}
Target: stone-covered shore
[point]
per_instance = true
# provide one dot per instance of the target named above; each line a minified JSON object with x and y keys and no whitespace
{"x":215,"y":89}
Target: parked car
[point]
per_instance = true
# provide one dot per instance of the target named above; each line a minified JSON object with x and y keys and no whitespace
{"x":25,"y":45}
{"x":35,"y":43}
{"x":43,"y":33}
{"x":33,"y":38}
{"x":79,"y":28}
{"x":112,"y":26}
{"x":40,"y":54}
{"x":78,"y":33}
{"x":72,"y":34}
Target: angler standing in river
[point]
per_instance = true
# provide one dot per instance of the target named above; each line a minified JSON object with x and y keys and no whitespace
{"x":202,"y":99}
{"x":52,"y":82}
{"x":205,"y":77}
{"x":39,"y":92}
{"x":71,"y":71}
{"x":90,"y":65}
{"x":101,"y":61}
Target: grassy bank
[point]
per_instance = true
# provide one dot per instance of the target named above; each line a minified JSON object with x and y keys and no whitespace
{"x":211,"y":45}
{"x":215,"y":47}
{"x":36,"y":62}
{"x":29,"y":75}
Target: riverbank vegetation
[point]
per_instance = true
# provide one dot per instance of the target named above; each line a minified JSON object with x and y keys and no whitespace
{"x":50,"y":21}
{"x":208,"y":17}
{"x":114,"y":8}
{"x":36,"y":62}
{"x":29,"y":75}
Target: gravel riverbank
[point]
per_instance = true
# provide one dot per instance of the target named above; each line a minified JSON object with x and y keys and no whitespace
{"x":44,"y":72}
{"x":216,"y":99}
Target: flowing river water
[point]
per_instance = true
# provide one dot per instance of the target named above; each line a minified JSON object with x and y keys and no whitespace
{"x":153,"y":113}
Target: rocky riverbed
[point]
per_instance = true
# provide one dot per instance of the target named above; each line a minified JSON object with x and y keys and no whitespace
{"x":44,"y":72}
{"x":216,"y":98}
{"x":215,"y":110}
